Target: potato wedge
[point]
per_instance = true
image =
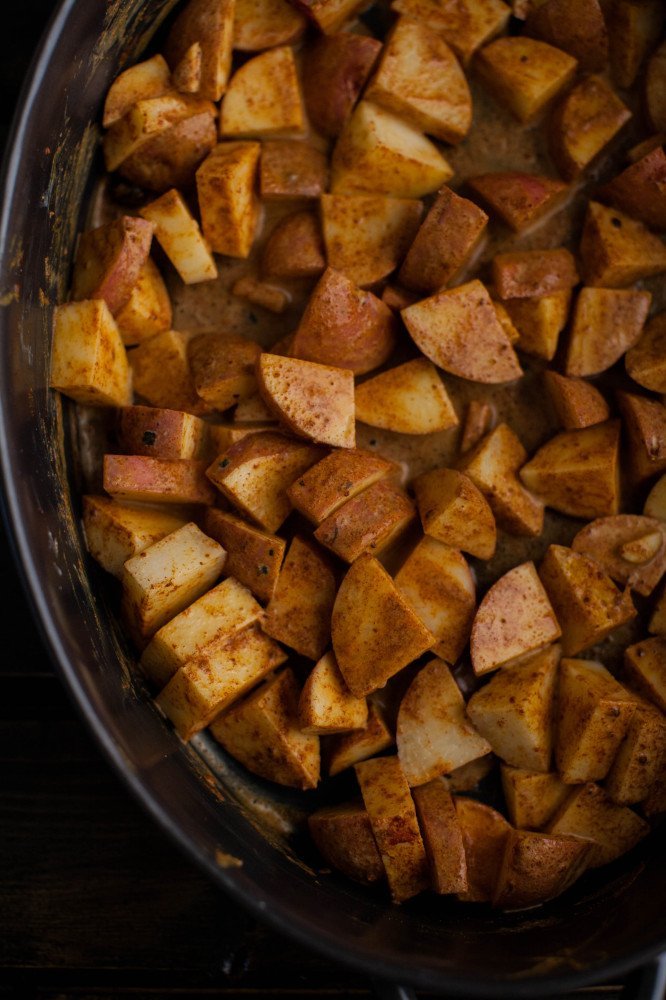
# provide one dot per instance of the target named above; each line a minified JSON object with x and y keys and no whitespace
{"x":142,"y":479}
{"x":531,"y":796}
{"x":222,"y":367}
{"x":326,"y":706}
{"x":640,"y":190}
{"x":348,"y":749}
{"x":590,"y":813}
{"x":454,"y":511}
{"x":633,"y":30}
{"x":519,"y":199}
{"x":645,"y":426}
{"x":291,"y":169}
{"x":254,"y":557}
{"x":369,"y":522}
{"x":646,"y":360}
{"x":109,"y":260}
{"x":263,"y":98}
{"x":187,"y":74}
{"x":524,"y":74}
{"x":575,"y":26}
{"x":299,"y":612}
{"x":335,"y":70}
{"x":263,"y":24}
{"x":147,"y":121}
{"x":442,"y":837}
{"x":409,"y":399}
{"x":524,"y":274}
{"x":641,"y":760}
{"x":162,"y":375}
{"x":295,"y":248}
{"x":465,"y":24}
{"x":645,"y":668}
{"x":577,"y":403}
{"x":630,"y":548}
{"x":485,"y":833}
{"x":210,"y":23}
{"x":150,"y":78}
{"x":655,"y":89}
{"x":88,"y":360}
{"x":170,"y":158}
{"x":616,"y":250}
{"x":606,"y":323}
{"x":539,"y":322}
{"x":343,"y":835}
{"x":339,"y":477}
{"x":147,"y":430}
{"x":179,"y":235}
{"x":537,"y":867}
{"x":227,"y":201}
{"x":583,"y":125}
{"x":115,"y":532}
{"x":148,"y":311}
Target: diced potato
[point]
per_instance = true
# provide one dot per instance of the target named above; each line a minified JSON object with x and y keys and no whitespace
{"x":616,"y":250}
{"x":587,"y":603}
{"x":519,"y":199}
{"x":162,"y":373}
{"x":434,"y":734}
{"x":640,"y":190}
{"x":164,"y":578}
{"x":449,"y":235}
{"x":606,"y":323}
{"x":655,"y":89}
{"x":178,"y":234}
{"x":485,"y":833}
{"x":633,"y":29}
{"x":299,"y":612}
{"x":375,"y":632}
{"x":514,"y":618}
{"x":291,"y":169}
{"x":326,"y":706}
{"x":641,"y":759}
{"x":187,"y":74}
{"x":645,"y":667}
{"x":493,"y":466}
{"x":465,"y":24}
{"x":313,"y":401}
{"x":479,"y":419}
{"x":531,"y":796}
{"x":295,"y":248}
{"x":655,"y":505}
{"x":222,"y":366}
{"x":147,"y":430}
{"x":109,"y":260}
{"x":254,"y":557}
{"x":351,"y":748}
{"x":524,"y":274}
{"x":539,"y":321}
{"x":328,"y":15}
{"x":88,"y":360}
{"x":210,"y":23}
{"x":368,"y":522}
{"x":262,"y":732}
{"x":206,"y":685}
{"x":148,"y":309}
{"x":379,"y":152}
{"x":148,"y":120}
{"x":576,"y":472}
{"x":227,"y":200}
{"x":263,"y":98}
{"x":420,"y":79}
{"x":537,"y":867}
{"x":395,"y":827}
{"x":630,"y":548}
{"x":142,"y":479}
{"x":645,"y":426}
{"x":454,"y":511}
{"x":169,"y":159}
{"x":409,"y":399}
{"x":442,"y":837}
{"x":367,"y":235}
{"x":576,"y":26}
{"x":263,"y":24}
{"x":150,"y":78}
{"x":458,"y":330}
{"x":344,"y":837}
{"x":339,"y":477}
{"x":261,"y":294}
{"x":255,"y":474}
{"x":590,"y":813}
{"x":344,"y":326}
{"x":524,"y":74}
{"x":115,"y":532}
{"x":583,"y":125}
{"x":577,"y":403}
{"x":335,"y":69}
{"x":646,"y":361}
{"x":438,"y":585}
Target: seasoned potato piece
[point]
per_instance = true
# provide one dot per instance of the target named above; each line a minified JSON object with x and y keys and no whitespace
{"x":442,"y":837}
{"x":263,"y":98}
{"x":313,"y":401}
{"x":465,"y":24}
{"x":148,"y":120}
{"x":291,"y":169}
{"x":537,"y":867}
{"x":146,"y":430}
{"x":641,"y":759}
{"x":657,"y":624}
{"x":367,"y":235}
{"x":394,"y":825}
{"x":420,"y":79}
{"x":458,"y":330}
{"x":254,"y":557}
{"x":645,"y":425}
{"x":88,"y":360}
{"x":299,"y":612}
{"x":655,"y":803}
{"x":162,"y":373}
{"x":590,"y":813}
{"x":514,"y":618}
{"x":350,"y":748}
{"x":328,"y":15}
{"x":227,"y":201}
{"x":295,"y":248}
{"x":335,"y":69}
{"x":375,"y":632}
{"x":115,"y":532}
{"x":645,"y":666}
{"x":344,"y":837}
{"x":655,"y":89}
{"x":449,"y":235}
{"x":454,"y":511}
{"x":148,"y":309}
{"x":633,"y":29}
{"x":519,"y":199}
{"x":531,"y":796}
{"x":369,"y":522}
{"x":479,"y":419}
{"x":524,"y":274}
{"x":150,"y":78}
{"x":640,"y":190}
{"x":646,"y":361}
{"x":109,"y":260}
{"x":187,"y":74}
{"x":587,"y":603}
{"x":170,"y":158}
{"x":434,"y":734}
{"x":576,"y":27}
{"x":262,"y":732}
{"x":263,"y":24}
{"x":576,"y":472}
{"x":577,"y":403}
{"x":166,"y":577}
{"x":539,"y":322}
{"x":468,"y":777}
{"x":210,"y":23}
{"x":344,"y":326}
{"x":606,"y":323}
{"x":438,"y":585}
{"x":379,"y":152}
{"x":222,"y":366}
{"x":179,"y":235}
{"x":524,"y":74}
{"x":140,"y":478}
{"x":339,"y":477}
{"x":256,"y":472}
{"x":326,"y":706}
{"x":261,"y":294}
{"x":630,"y":548}
{"x":485,"y":833}
{"x":655,"y":505}
{"x":583,"y":124}
{"x":616,"y":250}
{"x":409,"y":399}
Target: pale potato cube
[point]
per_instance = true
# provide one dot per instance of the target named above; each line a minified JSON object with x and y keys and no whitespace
{"x":148,"y":309}
{"x":519,"y":199}
{"x":485,"y":833}
{"x":227,"y":201}
{"x":641,"y":760}
{"x":254,"y":557}
{"x":263,"y":24}
{"x":646,"y":360}
{"x":88,"y":360}
{"x":222,"y":367}
{"x":211,"y":24}
{"x":409,"y":399}
{"x":616,"y":250}
{"x":160,"y":433}
{"x":532,"y":796}
{"x":326,"y":705}
{"x":645,"y":426}
{"x":442,"y":837}
{"x":630,"y":548}
{"x":142,"y":479}
{"x":454,"y":511}
{"x":263,"y":98}
{"x":369,"y":522}
{"x":115,"y":532}
{"x":109,"y":260}
{"x":162,"y":373}
{"x":645,"y":666}
{"x":299,"y":612}
{"x":348,"y":749}
{"x":339,"y":477}
{"x":577,"y":403}
{"x":465,"y":24}
{"x":150,"y":78}
{"x":590,"y":813}
{"x":537,"y":867}
{"x":524,"y":74}
{"x":584,"y":123}
{"x":344,"y":837}
{"x":178,"y":234}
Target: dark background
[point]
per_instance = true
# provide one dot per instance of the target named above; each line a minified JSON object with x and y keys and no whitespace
{"x":94,"y":901}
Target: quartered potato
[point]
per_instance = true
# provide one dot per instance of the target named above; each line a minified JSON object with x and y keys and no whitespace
{"x":640,"y":190}
{"x":532,"y":796}
{"x":140,"y":82}
{"x":454,"y":511}
{"x":485,"y":833}
{"x":326,"y":706}
{"x":409,"y":399}
{"x":524,"y":74}
{"x":442,"y":837}
{"x":538,"y":322}
{"x":339,"y":477}
{"x":537,"y":867}
{"x":575,"y":26}
{"x":210,"y":23}
{"x":630,"y":548}
{"x":335,"y":69}
{"x":227,"y":200}
{"x":263,"y":98}
{"x":606,"y":323}
{"x":179,"y":235}
{"x":344,"y":837}
{"x":109,"y":260}
{"x":142,"y":479}
{"x":88,"y":361}
{"x":526,"y":274}
{"x":591,"y":814}
{"x":148,"y":430}
{"x":295,"y":248}
{"x":617,"y":250}
{"x":115,"y":532}
{"x":254,"y":557}
{"x":577,"y":403}
{"x":466,"y":24}
{"x":583,"y":125}
{"x":644,"y":421}
{"x":350,"y":748}
{"x":519,"y":199}
{"x":222,"y":367}
{"x":369,"y":522}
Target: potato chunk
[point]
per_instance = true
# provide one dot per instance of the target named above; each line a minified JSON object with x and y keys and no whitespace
{"x":344,"y":837}
{"x":524,"y":74}
{"x":531,"y":796}
{"x":646,"y":361}
{"x":458,"y":330}
{"x":394,"y":825}
{"x":379,"y":152}
{"x":616,"y":250}
{"x":263,"y":24}
{"x":606,"y":323}
{"x":539,"y":321}
{"x":519,"y":199}
{"x":528,"y":273}
{"x":465,"y":24}
{"x":299,"y":612}
{"x":537,"y":867}
{"x":641,"y":759}
{"x":348,"y":749}
{"x":263,"y":98}
{"x":576,"y":472}
{"x":222,"y":367}
{"x":420,"y":79}
{"x":109,"y":260}
{"x":339,"y":477}
{"x":141,"y":479}
{"x":179,"y":235}
{"x":369,"y":522}
{"x":335,"y":70}
{"x":584,"y":123}
{"x":210,"y":23}
{"x":162,"y":373}
{"x":115,"y":532}
{"x":313,"y":401}
{"x":515,"y":618}
{"x":295,"y":248}
{"x":169,"y":159}
{"x":150,"y":78}
{"x":151,"y":125}
{"x":409,"y":399}
{"x":227,"y":201}
{"x":633,"y":30}
{"x":485,"y":833}
{"x":575,"y":26}
{"x":577,"y":403}
{"x":655,"y":505}
{"x":326,"y":706}
{"x":375,"y":632}
{"x":291,"y":169}
{"x":587,"y":603}
{"x":645,"y":667}
{"x":148,"y":309}
{"x":640,"y":190}
{"x":630,"y":548}
{"x":262,"y":732}
{"x":442,"y":837}
{"x":645,"y":426}
{"x":590,"y":813}
{"x":147,"y":430}
{"x":88,"y":360}
{"x":254,"y":557}
{"x":454,"y":511}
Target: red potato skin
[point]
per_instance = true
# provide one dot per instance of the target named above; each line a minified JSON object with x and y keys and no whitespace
{"x":640,"y":190}
{"x":137,"y":477}
{"x":109,"y":259}
{"x":170,"y":160}
{"x":335,"y":70}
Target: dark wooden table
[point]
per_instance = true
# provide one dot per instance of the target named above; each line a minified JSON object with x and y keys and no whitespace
{"x":94,"y":901}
